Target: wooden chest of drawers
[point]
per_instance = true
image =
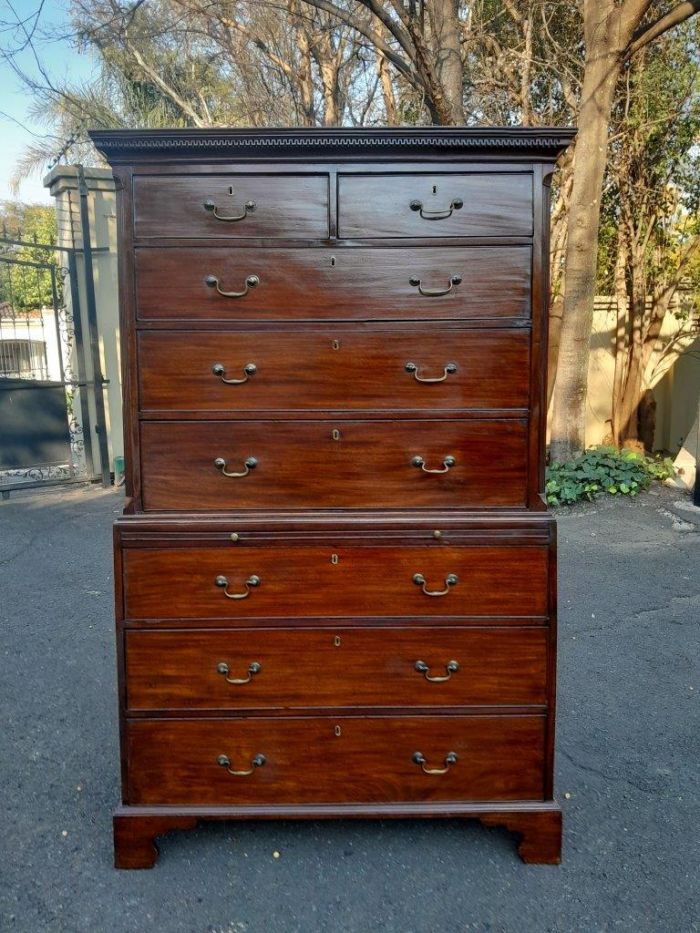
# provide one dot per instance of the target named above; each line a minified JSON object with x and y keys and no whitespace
{"x":335,"y":575}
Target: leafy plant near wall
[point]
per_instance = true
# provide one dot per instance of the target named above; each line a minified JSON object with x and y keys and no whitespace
{"x":603,"y":470}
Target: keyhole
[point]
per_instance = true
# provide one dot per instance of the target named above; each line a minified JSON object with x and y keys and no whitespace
{"x":434,"y":189}
{"x":335,"y":344}
{"x":334,"y":558}
{"x":337,"y":731}
{"x":335,"y":434}
{"x":332,"y":260}
{"x":230,"y":189}
{"x":336,"y":641}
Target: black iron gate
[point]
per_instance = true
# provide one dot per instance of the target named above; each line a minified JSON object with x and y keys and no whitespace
{"x":48,"y":408}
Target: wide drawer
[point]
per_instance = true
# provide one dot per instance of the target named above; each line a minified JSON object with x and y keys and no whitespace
{"x":224,"y":465}
{"x":339,"y":759}
{"x":339,"y":368}
{"x":435,"y":205}
{"x":296,"y":581}
{"x":274,"y":668}
{"x":222,"y":284}
{"x":235,"y":206}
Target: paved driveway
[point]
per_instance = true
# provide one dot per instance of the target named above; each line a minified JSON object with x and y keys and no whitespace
{"x":627,"y":765}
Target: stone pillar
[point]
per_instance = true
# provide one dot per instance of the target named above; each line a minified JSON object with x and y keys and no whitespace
{"x":62,"y":182}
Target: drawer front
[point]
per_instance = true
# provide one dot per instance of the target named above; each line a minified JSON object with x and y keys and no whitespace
{"x":337,"y":581}
{"x":435,"y":205}
{"x":256,"y":669}
{"x":325,"y":464}
{"x":306,"y":761}
{"x":317,"y":284}
{"x":235,"y":206}
{"x":343,"y":368}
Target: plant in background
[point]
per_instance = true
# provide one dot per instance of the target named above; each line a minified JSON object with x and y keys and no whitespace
{"x":603,"y":470}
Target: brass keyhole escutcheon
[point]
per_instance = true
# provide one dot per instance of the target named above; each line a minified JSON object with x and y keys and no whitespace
{"x":335,"y":434}
{"x":337,"y":731}
{"x":335,"y":344}
{"x":334,"y":558}
{"x":336,"y":641}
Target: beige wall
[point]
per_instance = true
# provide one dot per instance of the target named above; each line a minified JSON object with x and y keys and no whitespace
{"x":676,"y":390}
{"x":62,"y":182}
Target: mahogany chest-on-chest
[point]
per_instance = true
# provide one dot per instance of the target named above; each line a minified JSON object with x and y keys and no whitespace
{"x":335,"y":575}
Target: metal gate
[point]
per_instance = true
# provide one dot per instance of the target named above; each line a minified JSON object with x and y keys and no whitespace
{"x":45,"y":435}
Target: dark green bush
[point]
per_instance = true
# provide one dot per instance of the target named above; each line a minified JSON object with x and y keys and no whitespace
{"x":603,"y":470}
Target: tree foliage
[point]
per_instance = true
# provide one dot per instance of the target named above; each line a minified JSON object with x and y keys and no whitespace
{"x":26,"y":287}
{"x":650,"y":235}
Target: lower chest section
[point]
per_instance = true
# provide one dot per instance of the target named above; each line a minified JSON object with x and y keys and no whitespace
{"x":275,"y":665}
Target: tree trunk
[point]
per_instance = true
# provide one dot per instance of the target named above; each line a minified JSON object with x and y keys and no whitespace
{"x":448,"y":55}
{"x":307,"y":116}
{"x":556,"y":309}
{"x":602,"y":69}
{"x":621,"y":317}
{"x":557,"y":251}
{"x":384,"y":76}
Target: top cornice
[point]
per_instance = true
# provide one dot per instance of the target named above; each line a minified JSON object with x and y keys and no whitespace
{"x":120,"y":146}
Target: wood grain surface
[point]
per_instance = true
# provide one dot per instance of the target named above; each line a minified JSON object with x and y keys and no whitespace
{"x":302,"y":581}
{"x":175,"y":762}
{"x":305,"y":464}
{"x":285,"y":206}
{"x":338,"y":667}
{"x":320,"y":284}
{"x":341,"y":367}
{"x":380,"y":205}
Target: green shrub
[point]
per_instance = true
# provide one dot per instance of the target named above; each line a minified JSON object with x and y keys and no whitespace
{"x":603,"y":470}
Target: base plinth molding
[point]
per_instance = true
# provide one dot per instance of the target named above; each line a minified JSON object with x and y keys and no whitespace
{"x":538,"y":825}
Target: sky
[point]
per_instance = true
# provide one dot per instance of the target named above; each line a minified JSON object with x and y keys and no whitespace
{"x":53,"y":46}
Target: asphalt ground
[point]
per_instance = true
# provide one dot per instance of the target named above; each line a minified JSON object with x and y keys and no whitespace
{"x":626,"y":769}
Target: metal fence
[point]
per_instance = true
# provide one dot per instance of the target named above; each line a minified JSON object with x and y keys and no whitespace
{"x":49,"y":409}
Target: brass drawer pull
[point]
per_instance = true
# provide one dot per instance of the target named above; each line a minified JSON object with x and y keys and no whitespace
{"x":455,"y":205}
{"x":250,"y":463}
{"x":257,"y":762}
{"x":413,"y":368}
{"x":432,"y":292}
{"x":451,"y":667}
{"x":450,"y":759}
{"x":253,"y":668}
{"x":450,"y":580}
{"x":222,"y":581}
{"x":210,"y":205}
{"x":447,"y":464}
{"x":251,"y":281}
{"x":219,"y":370}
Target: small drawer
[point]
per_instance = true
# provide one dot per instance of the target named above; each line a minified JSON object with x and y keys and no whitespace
{"x":226,"y":465}
{"x":287,"y":580}
{"x":342,"y":667}
{"x":340,"y":368}
{"x":435,"y":205}
{"x":220,"y":284}
{"x":231,"y":206}
{"x":335,"y":760}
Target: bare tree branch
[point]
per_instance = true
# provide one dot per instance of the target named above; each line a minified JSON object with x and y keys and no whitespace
{"x":404,"y":67}
{"x":646,"y":34}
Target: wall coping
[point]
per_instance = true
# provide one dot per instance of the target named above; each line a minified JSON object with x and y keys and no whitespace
{"x":65,"y":178}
